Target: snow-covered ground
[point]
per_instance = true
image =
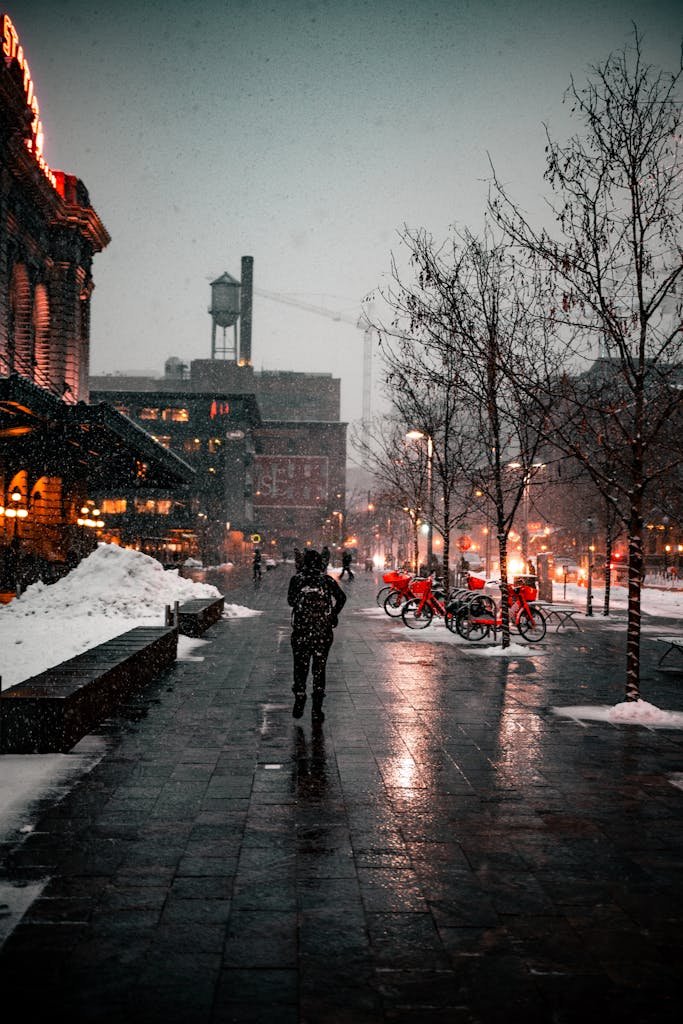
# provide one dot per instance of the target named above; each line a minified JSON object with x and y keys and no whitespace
{"x":110,"y":592}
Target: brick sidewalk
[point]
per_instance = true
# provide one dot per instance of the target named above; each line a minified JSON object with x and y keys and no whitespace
{"x":443,"y":848}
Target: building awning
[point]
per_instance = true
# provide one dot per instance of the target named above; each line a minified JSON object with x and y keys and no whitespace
{"x":157,"y":465}
{"x":37,"y":425}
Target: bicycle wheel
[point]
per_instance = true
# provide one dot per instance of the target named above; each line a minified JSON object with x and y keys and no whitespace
{"x":452,"y":610}
{"x":532,"y":627}
{"x":393,"y":604}
{"x":481,"y":605}
{"x":415,"y":618}
{"x":469,"y":627}
{"x":382,"y":596}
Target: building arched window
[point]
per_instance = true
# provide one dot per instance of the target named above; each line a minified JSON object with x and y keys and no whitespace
{"x":21,"y":322}
{"x":41,"y":330}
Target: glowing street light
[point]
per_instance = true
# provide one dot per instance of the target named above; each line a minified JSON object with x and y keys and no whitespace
{"x":419,"y":435}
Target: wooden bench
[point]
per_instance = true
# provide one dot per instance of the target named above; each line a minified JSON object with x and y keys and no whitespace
{"x":562,"y":613}
{"x":675,"y":644}
{"x":50,"y":712}
{"x":192,"y":618}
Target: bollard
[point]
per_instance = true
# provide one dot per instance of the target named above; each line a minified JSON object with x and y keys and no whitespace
{"x":176,"y":613}
{"x":167,"y":615}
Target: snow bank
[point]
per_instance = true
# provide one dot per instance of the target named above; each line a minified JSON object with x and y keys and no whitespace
{"x":110,"y":592}
{"x":114,"y":582}
{"x":635,"y":712}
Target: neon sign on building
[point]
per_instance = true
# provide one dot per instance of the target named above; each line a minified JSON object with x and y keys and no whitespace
{"x":12,"y":50}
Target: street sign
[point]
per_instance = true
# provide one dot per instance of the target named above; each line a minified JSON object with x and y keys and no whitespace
{"x":464,"y":542}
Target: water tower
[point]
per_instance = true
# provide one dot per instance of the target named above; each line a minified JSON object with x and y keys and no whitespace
{"x":231,"y":301}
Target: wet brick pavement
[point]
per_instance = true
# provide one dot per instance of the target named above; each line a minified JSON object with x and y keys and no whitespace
{"x":444,"y":848}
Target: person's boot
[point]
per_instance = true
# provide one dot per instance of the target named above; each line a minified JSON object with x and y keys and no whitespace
{"x":317,"y":713}
{"x":299,"y":704}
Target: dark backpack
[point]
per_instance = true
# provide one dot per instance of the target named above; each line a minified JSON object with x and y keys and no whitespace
{"x":312,"y":611}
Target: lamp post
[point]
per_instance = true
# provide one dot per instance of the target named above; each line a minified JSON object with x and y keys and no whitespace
{"x":340,"y":516}
{"x":528,"y":474}
{"x":417,"y":435}
{"x":589,"y":578}
{"x":14,"y":512}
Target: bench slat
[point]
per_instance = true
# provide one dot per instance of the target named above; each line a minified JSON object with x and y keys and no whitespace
{"x":52,"y":711}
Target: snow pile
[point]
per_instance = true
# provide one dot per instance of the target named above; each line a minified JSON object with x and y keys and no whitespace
{"x":635,"y":712}
{"x":641,"y":712}
{"x":110,"y":592}
{"x":238,"y":611}
{"x":114,"y":582}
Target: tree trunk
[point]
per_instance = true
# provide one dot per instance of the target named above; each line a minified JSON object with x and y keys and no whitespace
{"x":635,"y":580}
{"x":608,"y":571}
{"x":504,"y":588}
{"x":446,"y":562}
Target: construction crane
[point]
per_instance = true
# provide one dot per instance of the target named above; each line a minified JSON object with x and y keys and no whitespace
{"x":362,"y":322}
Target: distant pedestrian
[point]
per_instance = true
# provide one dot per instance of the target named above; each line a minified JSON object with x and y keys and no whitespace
{"x":298,"y":560}
{"x":316,"y":600}
{"x":325,"y":555}
{"x":256,"y":571}
{"x":346,"y":565}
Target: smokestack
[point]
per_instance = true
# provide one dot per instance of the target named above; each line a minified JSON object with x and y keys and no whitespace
{"x":246,"y":305}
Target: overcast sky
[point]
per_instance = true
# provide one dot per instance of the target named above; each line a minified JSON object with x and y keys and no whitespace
{"x":304,"y":134}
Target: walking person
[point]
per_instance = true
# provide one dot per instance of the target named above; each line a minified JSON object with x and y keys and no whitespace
{"x":316,"y":600}
{"x":325,"y":555}
{"x":346,"y":566}
{"x":256,"y":572}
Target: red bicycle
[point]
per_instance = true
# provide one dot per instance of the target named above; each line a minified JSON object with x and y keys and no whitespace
{"x":397,"y":593}
{"x":419,"y":610}
{"x":525,"y":617}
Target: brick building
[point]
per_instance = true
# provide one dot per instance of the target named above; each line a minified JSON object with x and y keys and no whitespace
{"x":271,"y":462}
{"x":52,"y":443}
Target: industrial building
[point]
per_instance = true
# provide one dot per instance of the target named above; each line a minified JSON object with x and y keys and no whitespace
{"x":268,"y":448}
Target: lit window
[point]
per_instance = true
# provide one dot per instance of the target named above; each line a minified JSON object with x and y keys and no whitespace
{"x":192,"y":444}
{"x":214,"y":444}
{"x":113,"y":506}
{"x":149,"y":414}
{"x":176,"y":415}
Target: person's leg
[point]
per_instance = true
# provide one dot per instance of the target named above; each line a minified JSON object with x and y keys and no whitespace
{"x":320,"y":654}
{"x":302,"y":658}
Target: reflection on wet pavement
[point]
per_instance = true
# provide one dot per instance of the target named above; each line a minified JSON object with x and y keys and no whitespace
{"x":444,"y":847}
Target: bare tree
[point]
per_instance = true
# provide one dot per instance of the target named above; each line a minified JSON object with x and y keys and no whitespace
{"x":468,"y":316}
{"x":400,"y":469}
{"x":610,"y":279}
{"x":422,"y":383}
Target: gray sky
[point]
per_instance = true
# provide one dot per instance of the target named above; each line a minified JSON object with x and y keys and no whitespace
{"x":304,"y":134}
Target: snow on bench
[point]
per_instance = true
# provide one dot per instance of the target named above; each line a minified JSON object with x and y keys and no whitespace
{"x":194,"y":617}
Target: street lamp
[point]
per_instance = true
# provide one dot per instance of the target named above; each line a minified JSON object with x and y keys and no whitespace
{"x":589,"y":579}
{"x":14,"y":512}
{"x":418,"y":435}
{"x":340,"y":516}
{"x":528,"y":474}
